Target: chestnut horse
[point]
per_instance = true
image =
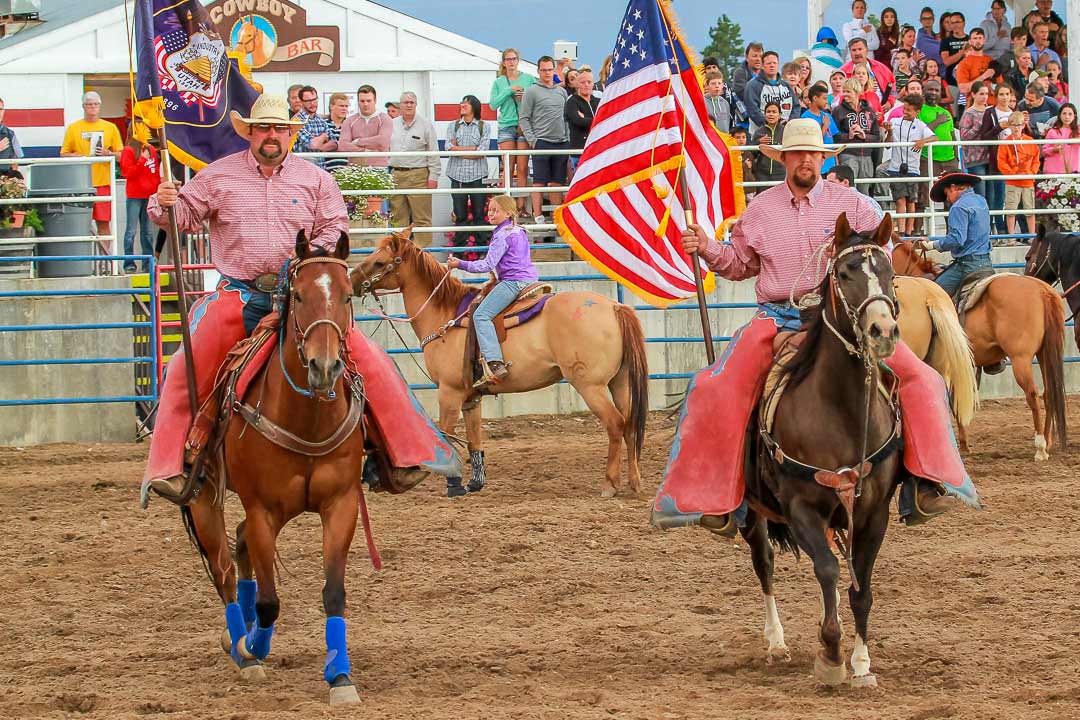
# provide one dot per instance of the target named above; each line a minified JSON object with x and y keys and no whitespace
{"x":275,"y":483}
{"x":1021,"y":318}
{"x":593,"y":342}
{"x":844,"y":434}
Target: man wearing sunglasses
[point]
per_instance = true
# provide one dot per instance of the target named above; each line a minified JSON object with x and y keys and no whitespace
{"x":255,"y":202}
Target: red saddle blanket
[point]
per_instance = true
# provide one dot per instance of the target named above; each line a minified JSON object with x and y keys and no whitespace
{"x":705,"y":472}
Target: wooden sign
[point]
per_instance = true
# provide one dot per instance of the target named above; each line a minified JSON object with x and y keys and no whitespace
{"x":273,"y":36}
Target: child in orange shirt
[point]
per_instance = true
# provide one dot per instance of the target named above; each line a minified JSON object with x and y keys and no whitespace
{"x":1021,"y":159}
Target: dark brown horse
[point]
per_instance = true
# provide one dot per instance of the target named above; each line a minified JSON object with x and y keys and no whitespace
{"x":1055,"y":257}
{"x":808,"y":475}
{"x":276,"y":483}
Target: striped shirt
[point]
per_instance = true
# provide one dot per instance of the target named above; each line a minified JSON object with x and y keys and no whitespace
{"x":777,"y":235}
{"x":462,"y":134}
{"x":254,"y":219}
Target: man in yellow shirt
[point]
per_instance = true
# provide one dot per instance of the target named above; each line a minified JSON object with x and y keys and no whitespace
{"x":93,"y":136}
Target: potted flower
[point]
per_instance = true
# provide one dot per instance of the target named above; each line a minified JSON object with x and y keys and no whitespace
{"x":12,"y":188}
{"x":1062,"y":194}
{"x":363,"y":177}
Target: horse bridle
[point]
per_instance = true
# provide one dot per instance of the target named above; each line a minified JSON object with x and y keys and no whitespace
{"x":1039,"y":242}
{"x":855,"y":314}
{"x":369,"y":281}
{"x":302,"y":333}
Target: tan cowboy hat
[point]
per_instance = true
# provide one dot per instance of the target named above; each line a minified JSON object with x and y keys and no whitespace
{"x":801,"y":134}
{"x":267,"y":109}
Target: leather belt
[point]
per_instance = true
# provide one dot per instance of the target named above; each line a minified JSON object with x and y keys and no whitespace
{"x":265,"y":283}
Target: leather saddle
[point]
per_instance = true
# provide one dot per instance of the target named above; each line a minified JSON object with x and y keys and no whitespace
{"x":971,"y":291}
{"x":528,"y":304}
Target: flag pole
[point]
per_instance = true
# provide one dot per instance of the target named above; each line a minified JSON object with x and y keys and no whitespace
{"x":178,"y":281}
{"x":706,"y":329}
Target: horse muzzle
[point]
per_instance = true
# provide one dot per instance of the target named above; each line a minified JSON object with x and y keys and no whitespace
{"x":323,"y":374}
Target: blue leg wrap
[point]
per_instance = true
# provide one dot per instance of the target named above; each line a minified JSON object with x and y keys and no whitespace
{"x":234,"y":620}
{"x":337,"y":656}
{"x":258,"y":641}
{"x":245,"y":596}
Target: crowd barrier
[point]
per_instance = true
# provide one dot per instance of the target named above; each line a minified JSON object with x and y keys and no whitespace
{"x":676,"y":327}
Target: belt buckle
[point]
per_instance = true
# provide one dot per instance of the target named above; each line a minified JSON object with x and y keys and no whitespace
{"x":266,"y":283}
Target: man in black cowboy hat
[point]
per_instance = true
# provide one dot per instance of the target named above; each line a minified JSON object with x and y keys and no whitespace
{"x":968,"y":236}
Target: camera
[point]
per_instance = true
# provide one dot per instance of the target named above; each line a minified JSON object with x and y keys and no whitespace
{"x":903,"y":168}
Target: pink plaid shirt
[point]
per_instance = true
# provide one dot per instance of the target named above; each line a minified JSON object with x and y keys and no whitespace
{"x":777,"y":234}
{"x":254,"y":219}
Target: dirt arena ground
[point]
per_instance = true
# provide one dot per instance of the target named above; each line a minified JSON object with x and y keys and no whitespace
{"x":537,"y":599}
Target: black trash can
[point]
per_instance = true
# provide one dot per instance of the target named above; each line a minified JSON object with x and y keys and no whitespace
{"x":64,"y":219}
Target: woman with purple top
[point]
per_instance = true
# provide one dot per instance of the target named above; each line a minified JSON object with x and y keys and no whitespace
{"x":508,"y":257}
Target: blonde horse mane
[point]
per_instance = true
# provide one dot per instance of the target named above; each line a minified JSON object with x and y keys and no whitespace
{"x":450,"y":293}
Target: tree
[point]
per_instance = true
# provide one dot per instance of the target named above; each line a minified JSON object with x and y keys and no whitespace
{"x":725,"y":44}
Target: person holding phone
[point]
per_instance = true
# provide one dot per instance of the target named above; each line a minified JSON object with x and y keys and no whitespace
{"x":507,"y":92}
{"x":94,"y":137}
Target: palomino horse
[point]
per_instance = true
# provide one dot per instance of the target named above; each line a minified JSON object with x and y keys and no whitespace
{"x":930,"y":327}
{"x":275,"y":484}
{"x":1021,"y":318}
{"x":254,"y":42}
{"x":592,"y":341}
{"x":844,"y":433}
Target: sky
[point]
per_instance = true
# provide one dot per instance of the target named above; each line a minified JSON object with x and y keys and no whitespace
{"x":533,"y":25}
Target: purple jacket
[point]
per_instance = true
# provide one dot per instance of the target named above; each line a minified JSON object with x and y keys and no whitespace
{"x":507,"y":256}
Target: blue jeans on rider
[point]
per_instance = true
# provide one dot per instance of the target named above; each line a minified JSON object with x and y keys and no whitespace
{"x":137,"y":217}
{"x":954,"y":275}
{"x":496,"y":301}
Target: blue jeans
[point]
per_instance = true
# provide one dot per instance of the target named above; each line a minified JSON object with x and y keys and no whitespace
{"x":995,"y":198}
{"x":982,"y":188}
{"x":961,"y":267}
{"x":137,"y":217}
{"x":496,"y":301}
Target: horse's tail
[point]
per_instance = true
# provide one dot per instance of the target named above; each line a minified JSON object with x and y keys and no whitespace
{"x":636,"y":364}
{"x":1052,"y":363}
{"x":950,"y":355}
{"x":193,"y":536}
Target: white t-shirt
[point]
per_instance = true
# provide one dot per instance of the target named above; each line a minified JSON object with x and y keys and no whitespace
{"x":907,"y":131}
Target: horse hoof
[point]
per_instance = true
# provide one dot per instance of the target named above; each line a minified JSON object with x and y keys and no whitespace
{"x":475,"y":486}
{"x":827,"y":674}
{"x":780,"y":653}
{"x":864,"y":681}
{"x":226,"y":641}
{"x":455,"y":489}
{"x":344,"y":695}
{"x":608,"y":492}
{"x":252,"y":673}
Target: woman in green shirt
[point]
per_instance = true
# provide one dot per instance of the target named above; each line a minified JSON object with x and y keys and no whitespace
{"x":506,"y":93}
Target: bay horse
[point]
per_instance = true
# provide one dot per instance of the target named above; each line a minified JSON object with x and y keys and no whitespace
{"x":275,"y":483}
{"x":1021,"y":318}
{"x":593,"y":342}
{"x":842,"y":434}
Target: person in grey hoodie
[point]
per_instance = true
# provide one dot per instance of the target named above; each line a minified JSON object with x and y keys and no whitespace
{"x":767,"y":87}
{"x":542,"y":121}
{"x":997,"y":30}
{"x":715,"y":104}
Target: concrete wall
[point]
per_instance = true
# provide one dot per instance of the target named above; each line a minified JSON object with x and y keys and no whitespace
{"x":28,"y":425}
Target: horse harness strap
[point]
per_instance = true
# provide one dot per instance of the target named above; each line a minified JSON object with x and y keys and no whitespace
{"x":287,"y":440}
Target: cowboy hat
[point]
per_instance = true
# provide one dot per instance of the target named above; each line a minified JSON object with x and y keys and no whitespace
{"x":267,"y":109}
{"x":951,"y":177}
{"x":801,"y":134}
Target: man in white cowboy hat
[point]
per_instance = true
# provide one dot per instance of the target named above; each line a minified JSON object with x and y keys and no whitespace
{"x":255,"y":202}
{"x":776,"y":241}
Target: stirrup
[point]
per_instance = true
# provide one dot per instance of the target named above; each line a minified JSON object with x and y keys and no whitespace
{"x":722,"y":525}
{"x":179,"y":489}
{"x":918,"y":516}
{"x":488,"y":377}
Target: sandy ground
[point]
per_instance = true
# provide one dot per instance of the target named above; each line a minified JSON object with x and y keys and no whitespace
{"x":537,"y":599}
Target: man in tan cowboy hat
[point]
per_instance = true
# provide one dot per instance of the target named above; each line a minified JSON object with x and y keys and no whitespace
{"x":255,"y":202}
{"x":776,"y":241}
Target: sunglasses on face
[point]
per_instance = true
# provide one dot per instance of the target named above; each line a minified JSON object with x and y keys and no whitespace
{"x":264,"y":127}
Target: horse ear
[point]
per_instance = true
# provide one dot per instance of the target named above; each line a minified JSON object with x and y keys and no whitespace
{"x":301,"y":244}
{"x":1040,"y":232}
{"x":884,"y":232}
{"x":407,"y":233}
{"x":341,"y":252}
{"x":843,"y":230}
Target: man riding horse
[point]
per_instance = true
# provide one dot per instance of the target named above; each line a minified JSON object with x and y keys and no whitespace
{"x":968,"y":233}
{"x":780,"y":239}
{"x":256,"y":201}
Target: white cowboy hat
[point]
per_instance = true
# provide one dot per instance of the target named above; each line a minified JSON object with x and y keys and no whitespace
{"x":801,"y":134}
{"x":267,"y":109}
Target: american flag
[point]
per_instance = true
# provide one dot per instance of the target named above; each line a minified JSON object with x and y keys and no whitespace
{"x":623,"y":210}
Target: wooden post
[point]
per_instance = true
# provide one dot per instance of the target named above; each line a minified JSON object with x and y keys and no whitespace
{"x":706,"y":329}
{"x":178,"y":282}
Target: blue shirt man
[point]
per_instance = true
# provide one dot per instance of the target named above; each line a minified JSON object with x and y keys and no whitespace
{"x":968,"y":236}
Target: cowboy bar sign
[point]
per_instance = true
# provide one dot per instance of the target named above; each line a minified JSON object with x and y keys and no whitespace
{"x":275,"y":37}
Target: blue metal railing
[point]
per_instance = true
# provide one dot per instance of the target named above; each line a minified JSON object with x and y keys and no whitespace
{"x":150,"y":325}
